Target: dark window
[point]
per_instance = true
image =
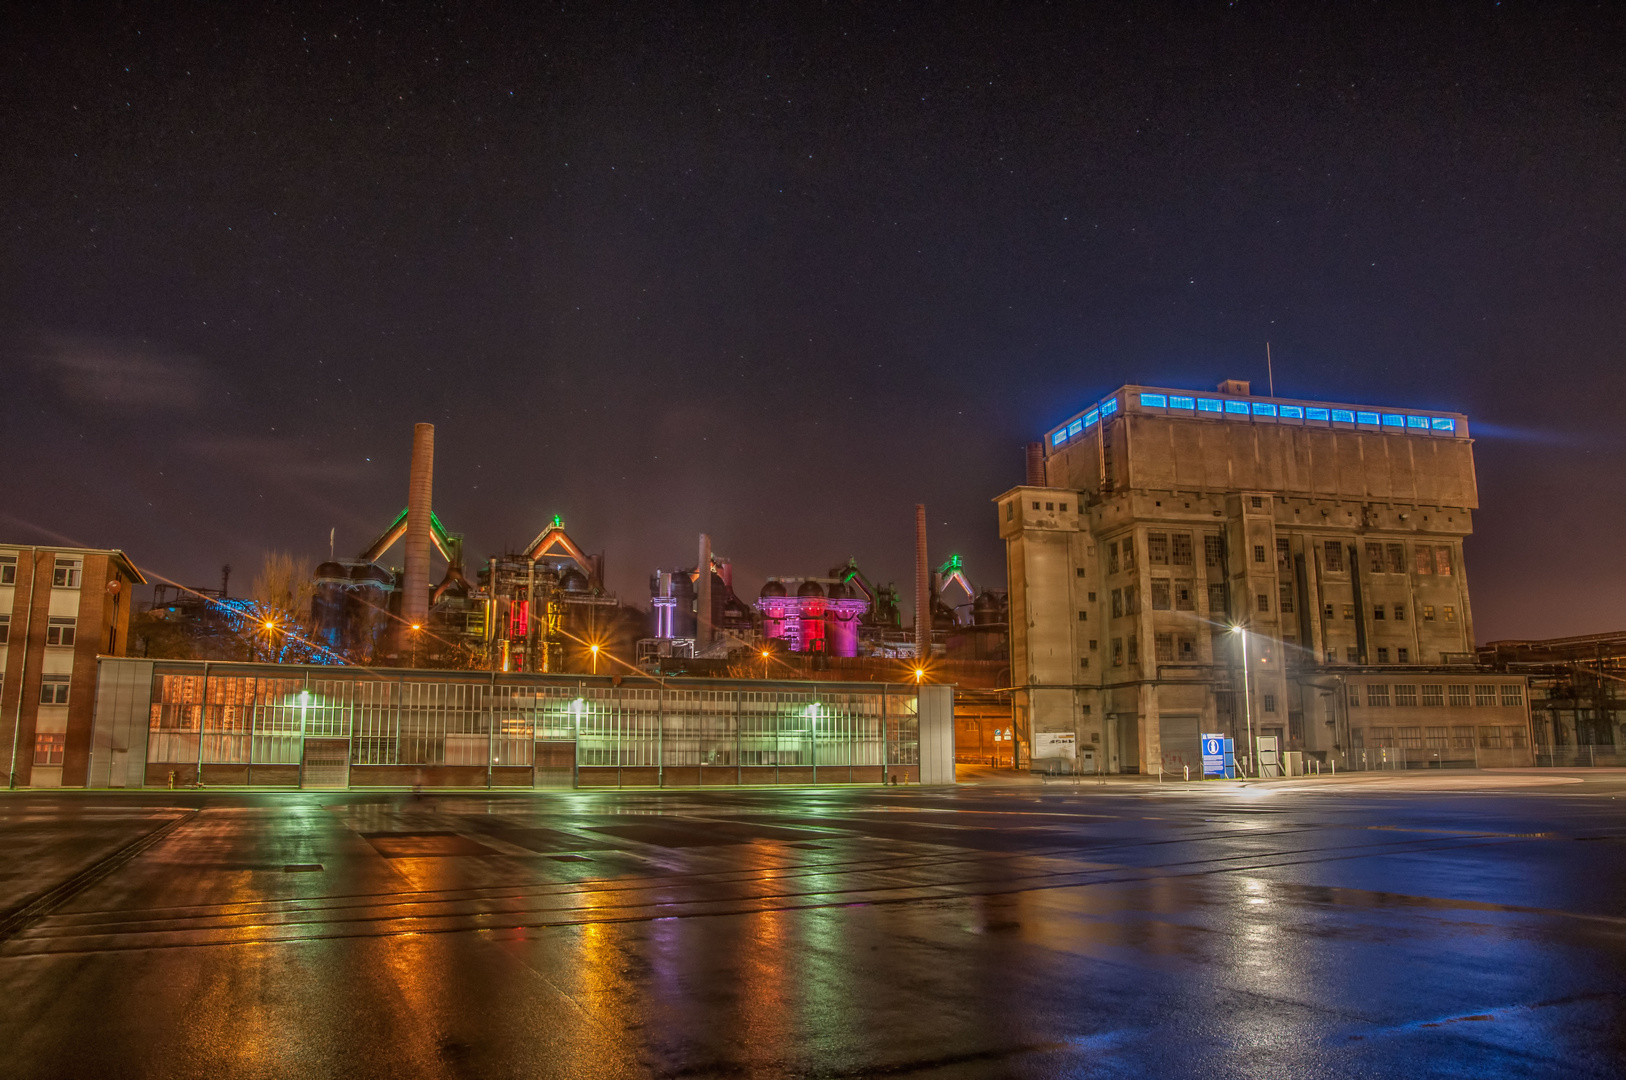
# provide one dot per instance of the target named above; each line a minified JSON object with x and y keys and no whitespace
{"x":1134,"y":649}
{"x":60,"y":630}
{"x":1117,"y":603}
{"x":1185,"y":598}
{"x":1216,"y":600}
{"x":1083,"y":661}
{"x":1402,"y":655}
{"x":1284,"y":553}
{"x":1264,"y":601}
{"x":1286,"y":598}
{"x":1188,"y":650}
{"x":1333,"y":554}
{"x":1131,"y":601}
{"x":1112,"y":557}
{"x":1377,"y":612}
{"x":1330,"y":612}
{"x":1164,"y":644}
{"x":1036,"y":506}
{"x":1010,"y":511}
{"x":1117,"y":652}
{"x":1258,"y":553}
{"x":1092,"y":644}
{"x":1157,"y":548}
{"x":1374,"y":558}
{"x":1080,"y":571}
{"x":1214,"y":552}
{"x":1397,"y":558}
{"x":1062,"y":507}
{"x":8,"y":569}
{"x":1050,"y":506}
{"x":1160,"y":594}
{"x":1083,"y":616}
{"x":1180,"y":553}
{"x":1400,"y":612}
{"x":1129,"y":553}
{"x":54,"y":690}
{"x":1383,"y":654}
{"x":1351,"y":655}
{"x":5,"y":629}
{"x":1257,"y":502}
{"x":1270,"y":702}
{"x":1092,"y":598}
{"x":66,"y":574}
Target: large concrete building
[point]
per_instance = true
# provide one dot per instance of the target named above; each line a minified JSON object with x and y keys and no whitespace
{"x":60,"y":608}
{"x":1156,"y":522}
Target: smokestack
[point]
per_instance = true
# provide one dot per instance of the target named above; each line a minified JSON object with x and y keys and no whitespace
{"x":702,"y":597}
{"x":923,"y":590}
{"x":415,"y":586}
{"x":1036,"y":464}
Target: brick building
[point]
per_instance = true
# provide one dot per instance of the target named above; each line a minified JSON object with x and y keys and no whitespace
{"x":59,"y":609}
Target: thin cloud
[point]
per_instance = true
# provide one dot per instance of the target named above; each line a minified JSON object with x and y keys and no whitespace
{"x":120,"y":376}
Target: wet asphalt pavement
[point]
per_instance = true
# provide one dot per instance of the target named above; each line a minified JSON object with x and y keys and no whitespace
{"x":1125,"y":930}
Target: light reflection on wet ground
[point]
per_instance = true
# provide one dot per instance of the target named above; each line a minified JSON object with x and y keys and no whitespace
{"x":976,"y":932}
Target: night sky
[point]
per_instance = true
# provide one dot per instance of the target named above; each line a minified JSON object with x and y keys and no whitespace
{"x":779,"y":273}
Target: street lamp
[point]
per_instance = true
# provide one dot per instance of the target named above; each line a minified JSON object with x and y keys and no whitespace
{"x":595,"y":658}
{"x":1247,"y":700}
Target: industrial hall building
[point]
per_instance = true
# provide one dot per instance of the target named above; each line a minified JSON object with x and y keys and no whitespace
{"x":1184,"y":563}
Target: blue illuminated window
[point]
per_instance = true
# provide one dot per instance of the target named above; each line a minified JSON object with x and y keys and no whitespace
{"x":1160,"y":400}
{"x":1182,"y":402}
{"x":1444,"y":423}
{"x":1366,"y":418}
{"x":1417,"y":421}
{"x":1209,"y":404}
{"x":1075,"y":427}
{"x":1261,"y":409}
{"x":1091,"y":417}
{"x":1343,"y":416}
{"x":1393,"y":420}
{"x":1109,"y":406}
{"x":1237,"y":407}
{"x":1317,"y":414}
{"x":1293,"y":411}
{"x":1059,"y":437}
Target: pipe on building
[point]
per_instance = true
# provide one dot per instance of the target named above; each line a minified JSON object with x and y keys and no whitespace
{"x":923,"y":589}
{"x":415,"y":583}
{"x":1036,"y":465}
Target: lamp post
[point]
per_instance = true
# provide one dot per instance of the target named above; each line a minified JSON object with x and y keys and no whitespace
{"x":1247,"y":701}
{"x":595,"y":659}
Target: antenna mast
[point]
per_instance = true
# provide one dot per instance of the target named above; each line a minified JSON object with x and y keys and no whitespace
{"x":1269,"y":370}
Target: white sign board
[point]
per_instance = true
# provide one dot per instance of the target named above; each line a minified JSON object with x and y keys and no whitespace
{"x":1054,"y":744}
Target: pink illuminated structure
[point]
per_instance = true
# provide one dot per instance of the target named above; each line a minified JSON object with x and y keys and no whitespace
{"x":822,"y":616}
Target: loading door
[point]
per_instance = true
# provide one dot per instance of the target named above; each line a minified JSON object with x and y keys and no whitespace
{"x":326,"y":764}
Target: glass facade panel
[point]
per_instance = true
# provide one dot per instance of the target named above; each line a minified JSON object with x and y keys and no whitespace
{"x":242,"y":714}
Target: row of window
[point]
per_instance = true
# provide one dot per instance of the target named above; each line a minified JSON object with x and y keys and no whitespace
{"x":66,"y":574}
{"x":1457,"y":694}
{"x":1431,"y":559}
{"x":1490,"y":737}
{"x":60,"y":630}
{"x":1228,"y":408}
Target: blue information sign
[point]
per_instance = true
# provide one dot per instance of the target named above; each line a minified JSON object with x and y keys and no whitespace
{"x":1219,"y":756}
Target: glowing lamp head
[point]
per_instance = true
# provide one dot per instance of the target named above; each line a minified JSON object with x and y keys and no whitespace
{"x":270,"y":626}
{"x":415,"y":626}
{"x":595,"y":650}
